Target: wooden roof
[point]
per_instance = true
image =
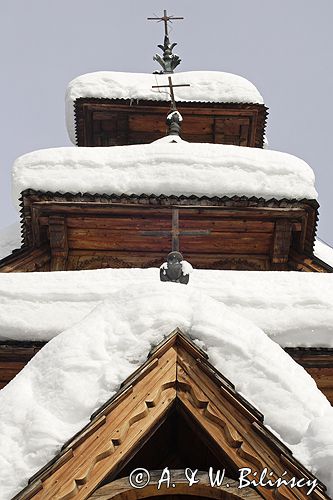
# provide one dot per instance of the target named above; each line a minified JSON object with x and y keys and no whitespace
{"x":177,"y":373}
{"x":116,"y":122}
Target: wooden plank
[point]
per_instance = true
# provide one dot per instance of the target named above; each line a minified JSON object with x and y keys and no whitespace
{"x":28,"y":261}
{"x":149,"y":117}
{"x":58,"y":242}
{"x":146,"y":219}
{"x":227,"y":491}
{"x":115,"y":222}
{"x":282,"y":242}
{"x":210,"y":244}
{"x":253,"y":451}
{"x":94,"y":444}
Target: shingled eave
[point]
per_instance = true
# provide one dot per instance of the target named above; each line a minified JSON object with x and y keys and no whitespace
{"x":237,"y":201}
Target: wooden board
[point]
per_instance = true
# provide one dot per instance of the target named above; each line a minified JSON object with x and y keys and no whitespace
{"x":110,"y":122}
{"x":98,"y":231}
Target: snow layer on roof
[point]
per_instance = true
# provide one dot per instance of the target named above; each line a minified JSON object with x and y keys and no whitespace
{"x":294,"y":309}
{"x":166,"y":168}
{"x":113,"y":340}
{"x":10,"y":239}
{"x":323,"y":251}
{"x":205,"y":86}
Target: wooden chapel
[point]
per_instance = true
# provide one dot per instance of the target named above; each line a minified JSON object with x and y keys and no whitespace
{"x":177,"y":410}
{"x":66,"y":231}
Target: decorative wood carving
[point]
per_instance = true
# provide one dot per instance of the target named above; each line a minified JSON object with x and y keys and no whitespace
{"x":58,"y":242}
{"x":26,"y":260}
{"x":282,"y":241}
{"x":177,"y":371}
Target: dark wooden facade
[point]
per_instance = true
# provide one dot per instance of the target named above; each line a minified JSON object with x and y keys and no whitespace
{"x":117,"y":122}
{"x":71,"y":232}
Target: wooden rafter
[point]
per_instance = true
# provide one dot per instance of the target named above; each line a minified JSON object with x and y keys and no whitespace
{"x":176,"y":371}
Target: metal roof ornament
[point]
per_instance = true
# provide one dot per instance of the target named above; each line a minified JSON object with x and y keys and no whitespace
{"x":168,"y":60}
{"x":172,"y":269}
{"x":174,"y":118}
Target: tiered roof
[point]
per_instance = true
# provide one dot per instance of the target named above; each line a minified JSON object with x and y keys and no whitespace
{"x":205,"y":86}
{"x":166,"y":168}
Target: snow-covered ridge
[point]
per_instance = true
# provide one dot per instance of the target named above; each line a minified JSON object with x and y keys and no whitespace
{"x":113,"y":340}
{"x":166,"y":168}
{"x":205,"y":86}
{"x":323,"y":251}
{"x":294,"y":309}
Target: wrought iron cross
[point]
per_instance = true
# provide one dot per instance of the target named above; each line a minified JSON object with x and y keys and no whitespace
{"x":171,"y":87}
{"x":175,"y":232}
{"x":166,"y":19}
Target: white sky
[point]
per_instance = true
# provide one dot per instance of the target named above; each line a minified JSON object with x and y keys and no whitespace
{"x":284,"y":48}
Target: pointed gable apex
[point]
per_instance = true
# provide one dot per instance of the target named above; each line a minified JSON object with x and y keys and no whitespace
{"x":176,"y":372}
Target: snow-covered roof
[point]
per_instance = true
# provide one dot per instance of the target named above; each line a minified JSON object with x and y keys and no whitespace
{"x":10,"y":239}
{"x":205,"y":86}
{"x":112,"y":340}
{"x":323,"y":251}
{"x":294,"y":309}
{"x":180,"y":168}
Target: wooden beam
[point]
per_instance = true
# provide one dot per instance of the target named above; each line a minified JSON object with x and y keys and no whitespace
{"x":58,"y":242}
{"x":121,"y":489}
{"x":282,"y":241}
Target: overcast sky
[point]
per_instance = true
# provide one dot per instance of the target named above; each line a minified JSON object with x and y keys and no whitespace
{"x":284,"y":47}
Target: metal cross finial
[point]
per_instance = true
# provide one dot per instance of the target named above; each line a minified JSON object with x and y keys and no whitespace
{"x":166,"y":19}
{"x":168,"y":61}
{"x":171,"y":87}
{"x":174,"y":118}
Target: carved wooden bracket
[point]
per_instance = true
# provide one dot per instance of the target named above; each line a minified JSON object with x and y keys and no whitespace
{"x":282,"y":241}
{"x":58,"y":242}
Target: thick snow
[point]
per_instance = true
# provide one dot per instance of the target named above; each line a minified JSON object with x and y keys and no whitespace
{"x":205,"y":86}
{"x":10,"y":239}
{"x":112,"y":340}
{"x":323,"y":251}
{"x":166,"y":168}
{"x":294,"y":309}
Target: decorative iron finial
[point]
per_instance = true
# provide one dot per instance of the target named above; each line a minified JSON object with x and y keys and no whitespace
{"x":168,"y":61}
{"x":174,"y":120}
{"x":175,"y":269}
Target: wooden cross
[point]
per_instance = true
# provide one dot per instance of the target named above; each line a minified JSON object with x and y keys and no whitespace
{"x":175,"y":232}
{"x":166,"y":19}
{"x":171,"y":87}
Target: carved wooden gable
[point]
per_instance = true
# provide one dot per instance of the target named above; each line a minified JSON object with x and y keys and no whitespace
{"x":176,"y":380}
{"x":112,"y":122}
